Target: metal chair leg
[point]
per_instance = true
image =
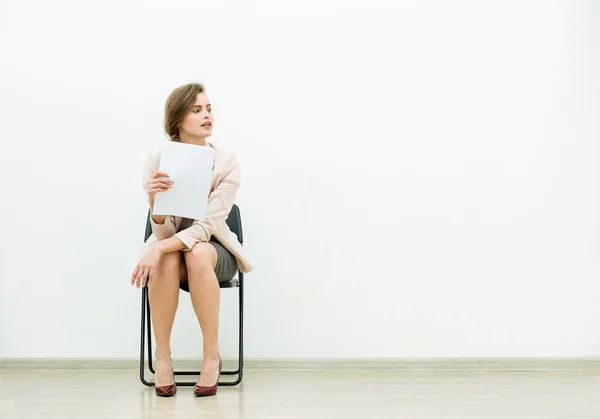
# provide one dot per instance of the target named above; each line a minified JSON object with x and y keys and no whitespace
{"x":240,"y":371}
{"x":146,"y":333}
{"x":149,"y":332}
{"x":142,"y":339}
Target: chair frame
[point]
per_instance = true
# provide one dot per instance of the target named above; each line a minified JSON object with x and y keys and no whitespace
{"x":235,"y":223}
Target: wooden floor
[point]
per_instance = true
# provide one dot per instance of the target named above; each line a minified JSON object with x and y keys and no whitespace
{"x":66,"y":394}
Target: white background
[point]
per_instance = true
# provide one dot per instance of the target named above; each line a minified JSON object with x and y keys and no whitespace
{"x":420,"y":178}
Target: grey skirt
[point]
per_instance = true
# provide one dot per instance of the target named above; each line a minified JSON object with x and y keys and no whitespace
{"x":226,"y":265}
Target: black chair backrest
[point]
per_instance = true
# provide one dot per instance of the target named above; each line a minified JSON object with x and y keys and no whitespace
{"x":148,"y":228}
{"x":234,"y":221}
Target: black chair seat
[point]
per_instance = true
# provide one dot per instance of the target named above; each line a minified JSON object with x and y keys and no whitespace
{"x":234,"y":283}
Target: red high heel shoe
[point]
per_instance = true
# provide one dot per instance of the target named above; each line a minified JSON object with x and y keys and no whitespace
{"x":203,"y":391}
{"x":168,"y":390}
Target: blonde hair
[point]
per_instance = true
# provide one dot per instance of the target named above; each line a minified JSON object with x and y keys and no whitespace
{"x":178,"y":103}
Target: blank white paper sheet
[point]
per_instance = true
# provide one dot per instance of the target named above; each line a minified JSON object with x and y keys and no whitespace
{"x":190,"y":168}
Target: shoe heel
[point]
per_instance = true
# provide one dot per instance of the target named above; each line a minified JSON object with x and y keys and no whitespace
{"x":168,"y":390}
{"x":203,"y":391}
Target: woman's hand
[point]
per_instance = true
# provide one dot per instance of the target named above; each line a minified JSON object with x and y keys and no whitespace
{"x":144,"y":270}
{"x":159,"y":182}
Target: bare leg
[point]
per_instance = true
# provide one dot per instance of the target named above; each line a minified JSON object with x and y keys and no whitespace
{"x":206,"y":295}
{"x":163,"y":295}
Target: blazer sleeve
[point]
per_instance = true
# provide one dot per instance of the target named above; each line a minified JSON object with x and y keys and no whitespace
{"x":166,"y":229}
{"x":220,"y":202}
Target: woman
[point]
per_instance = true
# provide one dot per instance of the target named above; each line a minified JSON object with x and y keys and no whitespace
{"x":194,"y":255}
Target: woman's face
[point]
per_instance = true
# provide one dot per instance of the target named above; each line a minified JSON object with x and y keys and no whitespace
{"x":198,"y":122}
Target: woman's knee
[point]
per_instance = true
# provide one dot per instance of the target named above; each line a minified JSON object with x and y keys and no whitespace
{"x":169,"y":269}
{"x":170,"y":262}
{"x":201,"y":256}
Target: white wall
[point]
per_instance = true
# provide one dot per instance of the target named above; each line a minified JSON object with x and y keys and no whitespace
{"x":420,"y":178}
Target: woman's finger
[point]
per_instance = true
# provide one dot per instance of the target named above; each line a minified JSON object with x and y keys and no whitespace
{"x":148,"y":278}
{"x":139,"y":276}
{"x":154,"y":191}
{"x":134,"y":274}
{"x":144,"y":277}
{"x":159,"y":182}
{"x":158,"y":174}
{"x":166,"y":180}
{"x":165,"y":187}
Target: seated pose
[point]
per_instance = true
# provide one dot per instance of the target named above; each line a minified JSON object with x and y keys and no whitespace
{"x":194,"y":255}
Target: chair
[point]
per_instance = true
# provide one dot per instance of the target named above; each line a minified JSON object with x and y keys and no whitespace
{"x":234,"y":222}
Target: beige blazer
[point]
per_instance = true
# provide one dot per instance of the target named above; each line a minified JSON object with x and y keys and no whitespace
{"x":224,"y":187}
